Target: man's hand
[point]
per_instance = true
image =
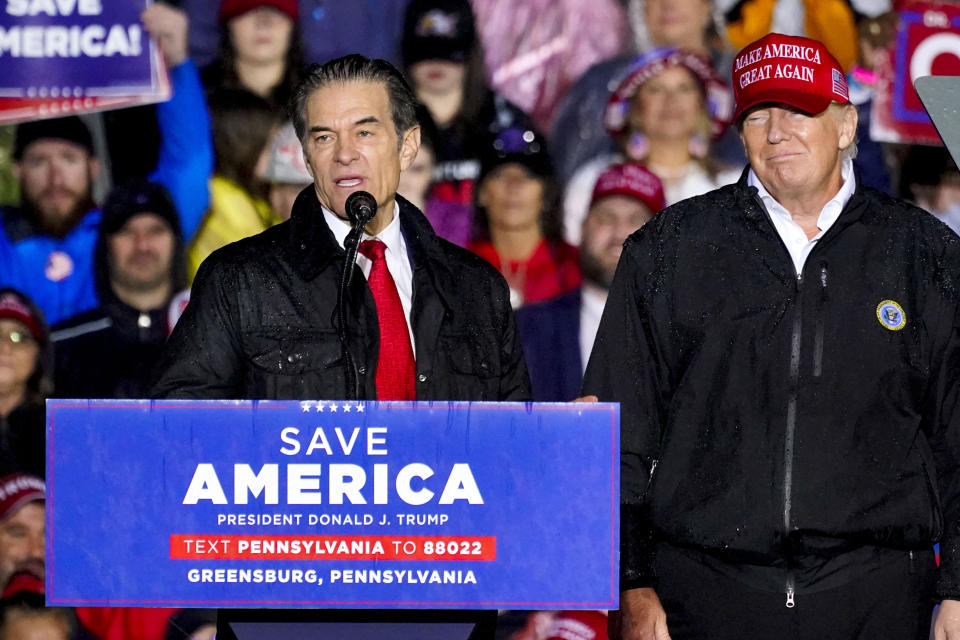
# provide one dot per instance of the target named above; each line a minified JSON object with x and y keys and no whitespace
{"x":168,"y":26}
{"x":641,"y":616}
{"x":587,"y":399}
{"x":947,"y":624}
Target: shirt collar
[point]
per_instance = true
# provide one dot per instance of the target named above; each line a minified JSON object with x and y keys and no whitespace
{"x":830,"y":212}
{"x":390,"y":235}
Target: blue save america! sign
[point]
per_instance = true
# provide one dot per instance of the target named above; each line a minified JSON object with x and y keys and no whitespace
{"x":332,"y":504}
{"x":75,"y":49}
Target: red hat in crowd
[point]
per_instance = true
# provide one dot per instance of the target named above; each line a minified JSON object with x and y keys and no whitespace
{"x":578,"y":625}
{"x":233,"y":8}
{"x":719,"y":100}
{"x":14,"y":307}
{"x":16,"y":490}
{"x":631,"y":180}
{"x":23,"y":583}
{"x":790,"y":70}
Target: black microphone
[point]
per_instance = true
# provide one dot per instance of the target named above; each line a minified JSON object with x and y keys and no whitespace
{"x":361,"y":208}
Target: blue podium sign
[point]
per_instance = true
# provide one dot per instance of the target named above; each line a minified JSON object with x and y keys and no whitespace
{"x":332,"y":504}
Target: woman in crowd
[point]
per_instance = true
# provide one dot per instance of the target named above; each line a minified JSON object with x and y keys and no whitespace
{"x":665,"y":114}
{"x":444,"y":63}
{"x":243,"y":124}
{"x":260,"y":49}
{"x":26,"y":362}
{"x":518,"y":214}
{"x":578,"y":133}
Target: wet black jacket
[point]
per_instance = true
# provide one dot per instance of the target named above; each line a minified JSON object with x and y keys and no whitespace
{"x":260,"y":322}
{"x":108,"y":352}
{"x":768,"y":419}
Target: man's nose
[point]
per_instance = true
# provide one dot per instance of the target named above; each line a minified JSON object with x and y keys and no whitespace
{"x":55,"y":173}
{"x":346,"y":150}
{"x":37,"y":549}
{"x":778,"y":128}
{"x":142,"y":241}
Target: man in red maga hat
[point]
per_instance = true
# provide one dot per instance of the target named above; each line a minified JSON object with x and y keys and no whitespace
{"x":786,"y":355}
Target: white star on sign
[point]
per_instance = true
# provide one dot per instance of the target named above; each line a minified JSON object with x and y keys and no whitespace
{"x":305,"y":406}
{"x":360,"y":408}
{"x":333,"y":407}
{"x":319,"y":407}
{"x":346,"y":408}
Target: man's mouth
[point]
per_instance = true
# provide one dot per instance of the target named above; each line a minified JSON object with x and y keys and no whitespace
{"x":348,"y":183}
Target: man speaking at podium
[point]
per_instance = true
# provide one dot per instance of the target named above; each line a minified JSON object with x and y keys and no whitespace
{"x":429,"y":320}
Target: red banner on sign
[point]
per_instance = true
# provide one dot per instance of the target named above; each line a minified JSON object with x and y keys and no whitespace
{"x":281,"y":547}
{"x":928,"y":43}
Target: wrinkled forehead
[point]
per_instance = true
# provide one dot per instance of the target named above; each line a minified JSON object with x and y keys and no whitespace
{"x":338,"y":100}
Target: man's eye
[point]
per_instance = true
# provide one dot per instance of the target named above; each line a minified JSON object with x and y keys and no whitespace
{"x":365,"y":133}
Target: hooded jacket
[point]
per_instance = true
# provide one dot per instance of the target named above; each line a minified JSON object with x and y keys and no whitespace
{"x":260,"y":323}
{"x":110,"y":351}
{"x":777,"y":420}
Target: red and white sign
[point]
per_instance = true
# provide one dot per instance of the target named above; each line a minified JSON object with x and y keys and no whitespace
{"x":928,"y":43}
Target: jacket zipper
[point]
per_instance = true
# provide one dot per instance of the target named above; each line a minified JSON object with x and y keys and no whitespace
{"x":818,"y":338}
{"x":788,"y":442}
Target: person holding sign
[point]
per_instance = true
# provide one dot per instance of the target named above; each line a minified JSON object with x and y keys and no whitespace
{"x":786,"y":355}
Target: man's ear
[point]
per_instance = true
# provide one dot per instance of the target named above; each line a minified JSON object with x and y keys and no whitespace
{"x":17,"y":170}
{"x":306,"y":162}
{"x":848,"y":126}
{"x":94,"y":165}
{"x":409,"y":147}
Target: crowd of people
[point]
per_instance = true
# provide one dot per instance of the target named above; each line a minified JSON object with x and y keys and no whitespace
{"x":91,"y":289}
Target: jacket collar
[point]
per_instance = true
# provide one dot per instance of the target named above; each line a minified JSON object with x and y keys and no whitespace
{"x":749,"y":201}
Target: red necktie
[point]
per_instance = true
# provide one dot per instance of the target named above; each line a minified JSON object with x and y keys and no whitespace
{"x":395,"y":367}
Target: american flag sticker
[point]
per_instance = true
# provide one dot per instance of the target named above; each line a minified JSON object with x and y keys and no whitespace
{"x":840,"y":84}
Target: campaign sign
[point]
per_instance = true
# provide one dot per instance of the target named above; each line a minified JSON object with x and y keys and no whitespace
{"x":70,"y":56}
{"x":332,"y":504}
{"x":927,"y":44}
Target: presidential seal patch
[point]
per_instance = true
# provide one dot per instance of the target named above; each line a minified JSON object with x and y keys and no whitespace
{"x":891,"y":315}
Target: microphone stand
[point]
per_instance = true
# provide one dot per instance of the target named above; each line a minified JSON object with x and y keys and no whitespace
{"x":352,"y":246}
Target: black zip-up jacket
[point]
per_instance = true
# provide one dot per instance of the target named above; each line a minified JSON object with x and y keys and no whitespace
{"x":768,"y":418}
{"x":108,"y":352}
{"x":260,"y":323}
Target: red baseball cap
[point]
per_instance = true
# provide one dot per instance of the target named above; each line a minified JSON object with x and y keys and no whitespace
{"x":790,"y":70}
{"x":233,"y":8}
{"x":631,"y":180}
{"x":578,"y":625}
{"x":23,"y":583}
{"x":16,"y":490}
{"x":15,"y":307}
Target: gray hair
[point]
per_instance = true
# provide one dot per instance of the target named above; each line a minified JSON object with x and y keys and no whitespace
{"x":356,"y":68}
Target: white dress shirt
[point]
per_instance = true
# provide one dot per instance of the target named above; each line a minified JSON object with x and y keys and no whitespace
{"x":792,"y":234}
{"x":396,"y":256}
{"x":592,"y":300}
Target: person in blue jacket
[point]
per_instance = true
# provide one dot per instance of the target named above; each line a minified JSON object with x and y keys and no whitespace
{"x":47,"y":244}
